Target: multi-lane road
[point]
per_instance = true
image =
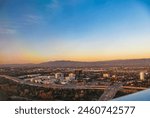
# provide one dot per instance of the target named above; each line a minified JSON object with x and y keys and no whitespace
{"x":67,"y":86}
{"x":111,"y":91}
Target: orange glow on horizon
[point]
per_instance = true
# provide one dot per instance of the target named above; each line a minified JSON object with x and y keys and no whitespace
{"x":28,"y":58}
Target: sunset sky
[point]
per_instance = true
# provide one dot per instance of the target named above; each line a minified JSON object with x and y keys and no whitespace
{"x":34,"y":31}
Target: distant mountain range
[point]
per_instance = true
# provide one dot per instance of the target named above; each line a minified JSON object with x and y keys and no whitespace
{"x":63,"y":63}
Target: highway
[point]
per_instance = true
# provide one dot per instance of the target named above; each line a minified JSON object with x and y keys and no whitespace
{"x":11,"y":78}
{"x":110,"y":90}
{"x":132,"y":87}
{"x":19,"y":81}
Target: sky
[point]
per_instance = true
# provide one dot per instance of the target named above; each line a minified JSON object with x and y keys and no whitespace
{"x":35,"y":31}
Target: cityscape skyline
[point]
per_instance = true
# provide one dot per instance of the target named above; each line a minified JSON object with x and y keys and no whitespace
{"x":39,"y":31}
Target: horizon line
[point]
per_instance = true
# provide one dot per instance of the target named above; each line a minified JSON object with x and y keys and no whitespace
{"x":73,"y":61}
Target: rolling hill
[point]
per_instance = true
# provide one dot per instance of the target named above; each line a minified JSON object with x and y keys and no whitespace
{"x":63,"y":63}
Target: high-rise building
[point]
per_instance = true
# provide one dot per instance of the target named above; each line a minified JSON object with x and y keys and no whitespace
{"x":78,"y":74}
{"x":72,"y":75}
{"x":106,"y":75}
{"x":142,"y":76}
{"x":59,"y":76}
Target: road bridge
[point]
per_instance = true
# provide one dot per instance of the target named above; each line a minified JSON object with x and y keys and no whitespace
{"x":111,"y":91}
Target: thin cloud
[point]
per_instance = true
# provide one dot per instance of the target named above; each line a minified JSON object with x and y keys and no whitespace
{"x":33,"y":19}
{"x":55,"y":4}
{"x":75,"y":2}
{"x":7,"y":31}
